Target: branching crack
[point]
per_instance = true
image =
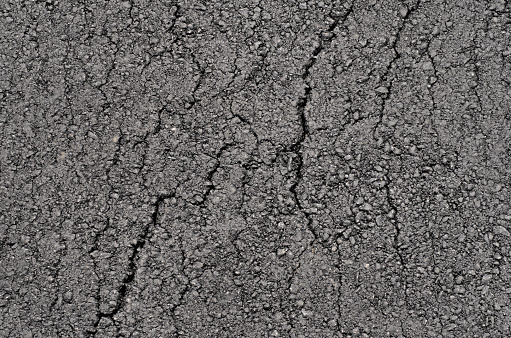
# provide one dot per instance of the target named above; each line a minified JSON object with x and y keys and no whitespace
{"x":177,"y":16}
{"x":108,"y":73}
{"x":297,"y":146}
{"x":385,"y":98}
{"x":246,"y":122}
{"x":302,"y":103}
{"x":385,"y":75}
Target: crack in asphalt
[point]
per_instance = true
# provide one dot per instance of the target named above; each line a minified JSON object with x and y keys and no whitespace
{"x":177,"y":15}
{"x":139,"y":245}
{"x":202,"y":71}
{"x":393,"y":208}
{"x":156,"y":130}
{"x":384,"y":77}
{"x":397,"y":233}
{"x":132,"y":262}
{"x":95,"y":246}
{"x":246,"y":122}
{"x":477,"y":73}
{"x":434,"y":81}
{"x":265,"y":183}
{"x":106,"y":104}
{"x":144,"y":237}
{"x":297,"y":146}
{"x":210,"y":187}
{"x":302,"y":104}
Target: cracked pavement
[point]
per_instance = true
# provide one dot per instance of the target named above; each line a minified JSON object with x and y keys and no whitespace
{"x":255,"y":168}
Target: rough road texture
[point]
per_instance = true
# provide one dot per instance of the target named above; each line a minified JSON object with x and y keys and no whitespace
{"x":255,"y":168}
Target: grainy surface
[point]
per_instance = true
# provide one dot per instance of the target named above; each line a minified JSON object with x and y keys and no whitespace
{"x":259,"y":168}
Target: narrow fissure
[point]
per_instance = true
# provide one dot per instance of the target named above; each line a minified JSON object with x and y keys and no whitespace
{"x":302,"y":104}
{"x":132,"y":261}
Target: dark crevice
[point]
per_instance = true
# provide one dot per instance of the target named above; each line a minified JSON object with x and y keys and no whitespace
{"x":192,"y":100}
{"x":392,"y":215}
{"x":209,"y":177}
{"x":56,"y":268}
{"x":302,"y":103}
{"x":48,"y":4}
{"x":156,"y":130}
{"x":132,"y":262}
{"x":385,"y":76}
{"x":477,"y":73}
{"x":187,"y":286}
{"x":108,"y":73}
{"x":229,"y":90}
{"x":177,"y":16}
{"x":99,"y":233}
{"x":433,"y":80}
{"x":130,"y":13}
{"x":246,"y":122}
{"x":338,"y":19}
{"x":143,"y":141}
{"x":296,"y":147}
{"x":116,"y":158}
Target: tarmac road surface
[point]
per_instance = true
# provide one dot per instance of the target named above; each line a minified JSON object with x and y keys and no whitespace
{"x":255,"y":168}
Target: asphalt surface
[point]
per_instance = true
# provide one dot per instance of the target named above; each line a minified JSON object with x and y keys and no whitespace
{"x":255,"y":168}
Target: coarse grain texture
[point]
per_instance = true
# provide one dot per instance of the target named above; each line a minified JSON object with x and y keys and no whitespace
{"x":255,"y":168}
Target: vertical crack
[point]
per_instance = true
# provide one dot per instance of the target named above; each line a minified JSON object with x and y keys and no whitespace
{"x":297,"y":146}
{"x":116,"y":157}
{"x":56,"y":268}
{"x":397,"y":55}
{"x":181,"y":294}
{"x":477,"y":78}
{"x":108,"y":73}
{"x":209,"y":177}
{"x":177,"y":15}
{"x":301,"y":105}
{"x":392,"y":215}
{"x":192,"y":99}
{"x":434,"y":79}
{"x":144,"y":141}
{"x":132,"y":262}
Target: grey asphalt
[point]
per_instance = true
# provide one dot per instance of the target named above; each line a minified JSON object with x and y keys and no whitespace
{"x":255,"y":168}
